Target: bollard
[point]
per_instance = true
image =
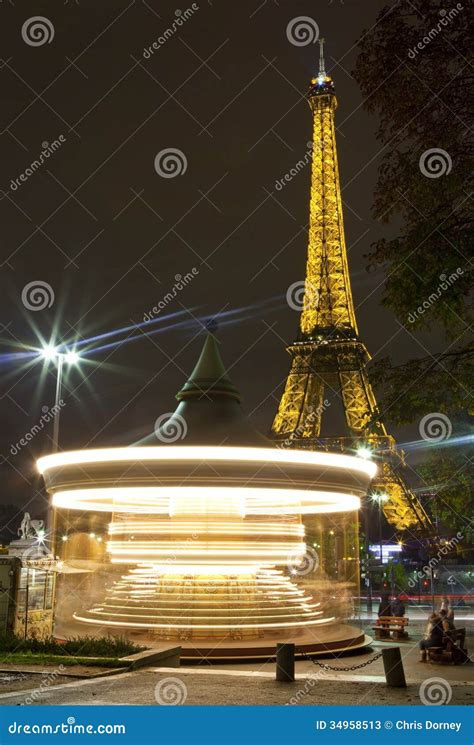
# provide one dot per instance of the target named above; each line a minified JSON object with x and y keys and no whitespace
{"x":285,"y":662}
{"x":393,"y":667}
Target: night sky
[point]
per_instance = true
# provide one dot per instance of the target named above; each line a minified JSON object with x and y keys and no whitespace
{"x":109,"y":234}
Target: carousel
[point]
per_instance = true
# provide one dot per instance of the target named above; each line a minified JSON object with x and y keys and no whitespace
{"x":213,"y":536}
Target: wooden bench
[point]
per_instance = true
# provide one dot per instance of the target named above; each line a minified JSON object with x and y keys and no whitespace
{"x":391,"y":624}
{"x":453,"y":650}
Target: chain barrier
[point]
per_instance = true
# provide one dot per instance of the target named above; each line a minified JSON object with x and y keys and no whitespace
{"x":324,"y":666}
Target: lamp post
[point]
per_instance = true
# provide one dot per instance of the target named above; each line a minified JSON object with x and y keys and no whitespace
{"x":380,"y":499}
{"x":71,"y":358}
{"x":364,"y":451}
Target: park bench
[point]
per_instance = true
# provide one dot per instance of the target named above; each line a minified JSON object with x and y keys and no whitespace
{"x":391,"y":624}
{"x":453,"y":650}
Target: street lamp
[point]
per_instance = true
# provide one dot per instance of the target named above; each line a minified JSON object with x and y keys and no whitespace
{"x":364,"y":452}
{"x":380,"y":499}
{"x":70,"y":357}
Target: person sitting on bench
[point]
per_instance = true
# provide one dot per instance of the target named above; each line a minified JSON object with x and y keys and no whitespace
{"x":446,"y":605}
{"x":434,"y":634}
{"x":385,"y":606}
{"x":398,"y":607}
{"x":446,"y":617}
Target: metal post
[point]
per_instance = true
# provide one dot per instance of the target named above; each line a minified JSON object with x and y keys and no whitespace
{"x":368,"y":577}
{"x":285,"y":662}
{"x":380,"y":532}
{"x":27,"y":594}
{"x":393,"y":667}
{"x":51,"y":516}
{"x":57,"y":407}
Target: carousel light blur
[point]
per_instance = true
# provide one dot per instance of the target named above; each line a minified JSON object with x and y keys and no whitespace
{"x":207,"y":539}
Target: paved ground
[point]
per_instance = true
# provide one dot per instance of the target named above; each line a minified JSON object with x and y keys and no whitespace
{"x":181,"y":685}
{"x":254,"y":683}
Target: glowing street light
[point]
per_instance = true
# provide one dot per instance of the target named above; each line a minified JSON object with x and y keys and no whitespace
{"x":49,"y":352}
{"x":71,"y":357}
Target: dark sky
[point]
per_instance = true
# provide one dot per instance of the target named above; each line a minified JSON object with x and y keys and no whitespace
{"x":108,"y":234}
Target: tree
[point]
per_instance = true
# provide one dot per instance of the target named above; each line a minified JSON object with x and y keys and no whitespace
{"x":421,"y":98}
{"x":414,"y":72}
{"x":453,"y":479}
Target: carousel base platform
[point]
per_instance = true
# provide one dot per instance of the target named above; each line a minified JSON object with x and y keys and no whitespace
{"x":336,"y":639}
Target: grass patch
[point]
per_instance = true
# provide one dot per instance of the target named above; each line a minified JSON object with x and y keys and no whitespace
{"x":78,"y":647}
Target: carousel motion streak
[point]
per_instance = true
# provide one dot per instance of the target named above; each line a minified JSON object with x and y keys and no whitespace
{"x":208,"y":537}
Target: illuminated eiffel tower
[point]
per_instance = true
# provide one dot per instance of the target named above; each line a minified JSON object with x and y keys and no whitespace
{"x":328,"y":351}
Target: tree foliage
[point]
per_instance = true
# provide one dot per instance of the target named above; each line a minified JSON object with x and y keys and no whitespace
{"x":420,"y":96}
{"x":414,"y":69}
{"x":452,"y":478}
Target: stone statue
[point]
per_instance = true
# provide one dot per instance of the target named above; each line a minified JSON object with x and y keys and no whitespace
{"x":30,"y":528}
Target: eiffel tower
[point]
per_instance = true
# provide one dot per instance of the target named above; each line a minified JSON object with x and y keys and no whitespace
{"x":328,"y":351}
